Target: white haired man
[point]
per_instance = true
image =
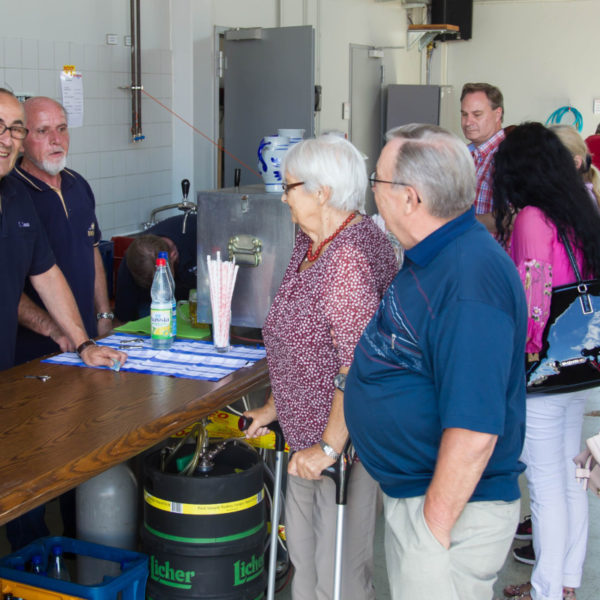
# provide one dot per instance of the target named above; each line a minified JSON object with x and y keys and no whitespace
{"x":435,"y":397}
{"x":65,"y":204}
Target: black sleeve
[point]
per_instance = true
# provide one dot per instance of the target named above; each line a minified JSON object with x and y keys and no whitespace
{"x":129,"y":296}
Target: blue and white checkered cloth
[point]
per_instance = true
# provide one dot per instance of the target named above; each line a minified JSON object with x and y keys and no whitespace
{"x":190,"y":359}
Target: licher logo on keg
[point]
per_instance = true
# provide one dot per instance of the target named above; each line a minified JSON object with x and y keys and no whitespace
{"x":167,"y":575}
{"x":247,"y":571}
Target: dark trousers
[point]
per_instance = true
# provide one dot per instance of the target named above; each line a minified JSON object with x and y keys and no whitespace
{"x":29,"y":527}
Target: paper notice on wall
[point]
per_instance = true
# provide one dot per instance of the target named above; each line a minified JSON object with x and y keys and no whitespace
{"x":71,"y":83}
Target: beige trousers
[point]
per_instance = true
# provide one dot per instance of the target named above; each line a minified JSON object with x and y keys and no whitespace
{"x":420,"y":567}
{"x":311,"y":515}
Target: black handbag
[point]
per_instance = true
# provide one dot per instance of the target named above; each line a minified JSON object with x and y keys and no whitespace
{"x":568,"y":360}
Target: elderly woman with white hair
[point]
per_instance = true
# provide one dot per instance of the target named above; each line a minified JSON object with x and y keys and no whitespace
{"x":340,"y":267}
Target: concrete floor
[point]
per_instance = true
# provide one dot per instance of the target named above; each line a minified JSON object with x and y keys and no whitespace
{"x":512,"y":572}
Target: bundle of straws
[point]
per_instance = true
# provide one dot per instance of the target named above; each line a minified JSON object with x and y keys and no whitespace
{"x":221,"y":281}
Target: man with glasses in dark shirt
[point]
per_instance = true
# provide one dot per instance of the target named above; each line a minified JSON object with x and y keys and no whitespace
{"x":26,"y":254}
{"x":435,"y":398}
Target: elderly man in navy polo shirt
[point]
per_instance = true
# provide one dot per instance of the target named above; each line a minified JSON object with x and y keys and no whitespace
{"x":435,"y":398}
{"x":66,"y":207}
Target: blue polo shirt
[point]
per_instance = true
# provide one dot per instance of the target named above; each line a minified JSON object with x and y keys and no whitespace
{"x":24,"y":251}
{"x":69,"y":218}
{"x":444,"y":349}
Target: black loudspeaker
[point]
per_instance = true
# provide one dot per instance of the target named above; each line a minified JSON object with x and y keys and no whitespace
{"x":453,"y":12}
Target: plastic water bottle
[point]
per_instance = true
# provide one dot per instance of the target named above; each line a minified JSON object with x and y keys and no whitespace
{"x":57,"y":567}
{"x":161,"y":308}
{"x":165,"y":255}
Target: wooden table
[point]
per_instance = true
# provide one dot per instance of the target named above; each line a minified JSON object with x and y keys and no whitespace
{"x":56,"y":434}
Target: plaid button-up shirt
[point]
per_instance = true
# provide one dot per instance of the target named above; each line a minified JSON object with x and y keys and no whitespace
{"x":483,"y":155}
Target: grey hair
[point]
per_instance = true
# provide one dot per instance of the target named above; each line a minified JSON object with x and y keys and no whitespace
{"x":333,"y":162}
{"x":439,"y":166}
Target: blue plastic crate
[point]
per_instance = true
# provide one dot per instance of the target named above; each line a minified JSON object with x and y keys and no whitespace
{"x":130,"y":584}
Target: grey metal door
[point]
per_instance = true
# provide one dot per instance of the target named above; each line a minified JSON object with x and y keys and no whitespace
{"x":365,"y":127}
{"x":268,"y":85}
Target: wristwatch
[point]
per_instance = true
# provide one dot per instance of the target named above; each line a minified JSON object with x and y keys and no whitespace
{"x":340,"y":381}
{"x":329,"y":450}
{"x":107,"y":315}
{"x":84,"y":345}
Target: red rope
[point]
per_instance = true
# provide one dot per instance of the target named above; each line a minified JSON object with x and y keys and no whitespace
{"x":200,"y":133}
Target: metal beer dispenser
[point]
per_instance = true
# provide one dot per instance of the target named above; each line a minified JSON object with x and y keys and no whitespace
{"x":253,"y":226}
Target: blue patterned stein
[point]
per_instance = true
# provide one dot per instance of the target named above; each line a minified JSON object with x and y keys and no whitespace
{"x":270,"y":152}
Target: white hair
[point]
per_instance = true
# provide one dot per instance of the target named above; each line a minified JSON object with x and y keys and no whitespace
{"x":438,"y":164}
{"x":333,"y":162}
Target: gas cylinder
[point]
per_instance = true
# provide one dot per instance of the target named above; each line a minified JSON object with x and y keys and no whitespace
{"x":106,"y":514}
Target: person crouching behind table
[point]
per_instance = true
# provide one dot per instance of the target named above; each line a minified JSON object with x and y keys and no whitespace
{"x":340,"y":267}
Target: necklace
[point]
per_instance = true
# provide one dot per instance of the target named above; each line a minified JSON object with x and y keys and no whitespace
{"x":310,"y":256}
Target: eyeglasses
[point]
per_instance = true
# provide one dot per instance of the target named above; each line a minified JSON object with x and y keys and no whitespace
{"x":286,"y":187}
{"x":373,"y":180}
{"x":17,"y":132}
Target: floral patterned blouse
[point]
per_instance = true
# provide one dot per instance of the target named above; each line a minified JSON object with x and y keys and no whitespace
{"x":336,"y":296}
{"x":543,"y":263}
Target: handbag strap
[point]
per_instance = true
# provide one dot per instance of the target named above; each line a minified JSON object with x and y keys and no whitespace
{"x":569,"y":249}
{"x":584,"y":298}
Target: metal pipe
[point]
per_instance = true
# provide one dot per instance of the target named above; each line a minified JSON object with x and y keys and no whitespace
{"x":339,"y":550}
{"x":136,"y":73}
{"x":275,"y":514}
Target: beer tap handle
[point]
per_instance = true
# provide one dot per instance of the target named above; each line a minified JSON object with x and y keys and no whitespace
{"x":185,"y":188}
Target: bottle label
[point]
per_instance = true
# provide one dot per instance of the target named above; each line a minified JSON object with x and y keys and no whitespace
{"x":160,"y":321}
{"x":174,"y":319}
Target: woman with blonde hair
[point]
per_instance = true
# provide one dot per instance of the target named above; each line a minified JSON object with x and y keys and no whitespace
{"x":576,"y":145}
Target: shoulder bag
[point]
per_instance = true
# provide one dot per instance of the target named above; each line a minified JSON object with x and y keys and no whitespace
{"x":568,"y":360}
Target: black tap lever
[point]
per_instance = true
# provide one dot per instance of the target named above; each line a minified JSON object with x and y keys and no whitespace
{"x":185,"y":188}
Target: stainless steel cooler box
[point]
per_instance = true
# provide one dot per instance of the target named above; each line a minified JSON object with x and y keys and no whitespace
{"x":255,"y":226}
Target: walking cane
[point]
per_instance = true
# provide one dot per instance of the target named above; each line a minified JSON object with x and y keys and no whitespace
{"x":340,"y":473}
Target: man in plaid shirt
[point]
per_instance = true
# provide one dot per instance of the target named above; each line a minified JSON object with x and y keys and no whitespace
{"x":481,"y":113}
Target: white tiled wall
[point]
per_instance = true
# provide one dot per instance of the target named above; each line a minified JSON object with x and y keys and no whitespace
{"x":128,"y":180}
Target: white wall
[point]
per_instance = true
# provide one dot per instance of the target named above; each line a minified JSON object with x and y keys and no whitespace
{"x":542,"y":54}
{"x":128,"y":179}
{"x":178,"y":69}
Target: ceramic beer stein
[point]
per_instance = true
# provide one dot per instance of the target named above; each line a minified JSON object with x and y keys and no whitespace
{"x":270,"y":152}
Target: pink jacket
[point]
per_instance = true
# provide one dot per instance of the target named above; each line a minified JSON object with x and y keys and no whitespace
{"x":543,"y":264}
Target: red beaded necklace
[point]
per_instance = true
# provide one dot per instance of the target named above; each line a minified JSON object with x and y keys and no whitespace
{"x":310,"y":257}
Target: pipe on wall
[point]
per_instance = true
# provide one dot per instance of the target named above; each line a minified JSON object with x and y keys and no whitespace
{"x":136,"y":73}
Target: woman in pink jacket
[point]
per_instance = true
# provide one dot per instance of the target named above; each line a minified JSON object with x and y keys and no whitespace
{"x":536,"y":179}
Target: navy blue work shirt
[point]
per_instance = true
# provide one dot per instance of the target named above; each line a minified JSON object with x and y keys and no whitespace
{"x":24,"y":251}
{"x":69,"y":218}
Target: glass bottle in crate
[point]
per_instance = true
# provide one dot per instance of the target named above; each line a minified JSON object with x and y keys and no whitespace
{"x":37,"y":564}
{"x":57,"y":567}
